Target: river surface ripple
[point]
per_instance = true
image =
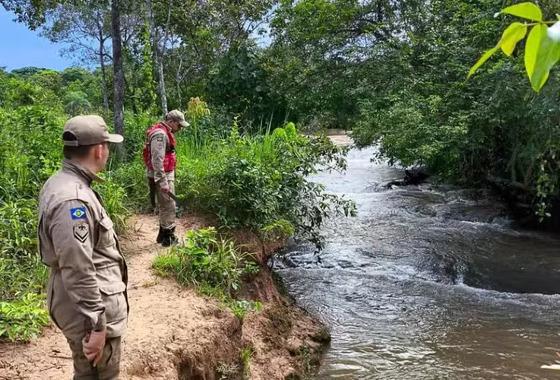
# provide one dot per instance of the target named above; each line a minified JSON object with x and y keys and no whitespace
{"x":427,"y":282}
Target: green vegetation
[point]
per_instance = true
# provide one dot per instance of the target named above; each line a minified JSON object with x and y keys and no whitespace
{"x":23,"y":319}
{"x":542,"y":47}
{"x":205,"y":259}
{"x":211,"y":263}
{"x":246,"y":355}
{"x":25,"y":161}
{"x":260,"y":181}
{"x":254,"y":181}
{"x":395,"y":73}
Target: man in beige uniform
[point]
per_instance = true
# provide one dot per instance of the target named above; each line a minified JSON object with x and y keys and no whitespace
{"x":86,"y":294}
{"x":160,"y":160}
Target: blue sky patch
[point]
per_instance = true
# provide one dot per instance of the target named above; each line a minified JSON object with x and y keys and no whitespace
{"x":78,"y":213}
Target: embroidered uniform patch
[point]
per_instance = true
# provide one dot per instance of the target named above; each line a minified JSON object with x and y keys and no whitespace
{"x":78,"y":213}
{"x":81,"y":232}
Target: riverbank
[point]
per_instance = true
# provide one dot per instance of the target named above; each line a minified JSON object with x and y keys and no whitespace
{"x":174,"y":332}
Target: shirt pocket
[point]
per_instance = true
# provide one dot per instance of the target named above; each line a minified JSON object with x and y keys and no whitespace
{"x":106,"y":236}
{"x":112,"y":290}
{"x":114,"y":301}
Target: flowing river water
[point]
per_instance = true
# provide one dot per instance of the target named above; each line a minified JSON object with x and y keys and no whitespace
{"x":427,"y":282}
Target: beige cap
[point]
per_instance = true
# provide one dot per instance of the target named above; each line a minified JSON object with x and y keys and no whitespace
{"x":88,"y":130}
{"x":177,"y":116}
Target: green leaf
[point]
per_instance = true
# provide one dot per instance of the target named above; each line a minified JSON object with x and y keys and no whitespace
{"x":481,"y":61}
{"x":511,"y":36}
{"x":532,"y":47}
{"x":526,"y":10}
{"x":547,"y":56}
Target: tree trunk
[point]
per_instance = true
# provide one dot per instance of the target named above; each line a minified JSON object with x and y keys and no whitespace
{"x":103,"y":78}
{"x":118,"y":87}
{"x":178,"y":81}
{"x":161,"y":84}
{"x":102,"y":62}
{"x":157,"y":57}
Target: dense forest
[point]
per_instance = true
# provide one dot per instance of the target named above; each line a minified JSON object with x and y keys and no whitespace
{"x":249,"y":74}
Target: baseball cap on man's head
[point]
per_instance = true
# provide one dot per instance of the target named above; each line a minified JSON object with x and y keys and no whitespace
{"x":88,"y":130}
{"x":177,"y":116}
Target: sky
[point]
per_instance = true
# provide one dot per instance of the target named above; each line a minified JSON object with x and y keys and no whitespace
{"x":21,"y":47}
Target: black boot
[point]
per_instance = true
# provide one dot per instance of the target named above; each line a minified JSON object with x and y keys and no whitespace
{"x":169,"y":237}
{"x":160,"y":234}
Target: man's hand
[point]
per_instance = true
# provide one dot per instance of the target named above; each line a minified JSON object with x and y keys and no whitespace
{"x":164,"y":187}
{"x":93,"y":344}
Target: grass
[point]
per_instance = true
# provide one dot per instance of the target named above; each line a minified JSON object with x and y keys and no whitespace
{"x":246,"y":355}
{"x":23,"y":319}
{"x":211,"y":263}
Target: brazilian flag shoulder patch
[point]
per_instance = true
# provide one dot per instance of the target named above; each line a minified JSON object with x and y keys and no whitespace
{"x":78,"y":213}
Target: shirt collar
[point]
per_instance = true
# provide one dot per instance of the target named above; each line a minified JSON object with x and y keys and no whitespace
{"x":85,"y":174}
{"x":167,"y":126}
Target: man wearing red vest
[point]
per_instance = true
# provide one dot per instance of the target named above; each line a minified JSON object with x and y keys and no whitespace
{"x":160,"y":160}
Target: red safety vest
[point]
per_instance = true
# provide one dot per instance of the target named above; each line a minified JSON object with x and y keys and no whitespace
{"x":170,"y":159}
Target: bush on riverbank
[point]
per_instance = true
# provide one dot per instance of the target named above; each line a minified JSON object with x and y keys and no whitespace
{"x":260,"y":181}
{"x":211,"y":263}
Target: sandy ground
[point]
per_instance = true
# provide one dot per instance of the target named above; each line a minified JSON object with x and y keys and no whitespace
{"x":341,"y":139}
{"x":174,"y":333}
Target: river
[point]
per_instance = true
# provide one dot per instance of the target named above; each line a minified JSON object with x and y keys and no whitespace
{"x":427,"y":282}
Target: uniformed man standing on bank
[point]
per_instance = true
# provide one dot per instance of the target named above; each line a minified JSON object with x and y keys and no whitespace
{"x":160,"y":160}
{"x":86,"y":293}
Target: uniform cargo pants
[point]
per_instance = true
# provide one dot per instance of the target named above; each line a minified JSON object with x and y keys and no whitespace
{"x":166,"y":205}
{"x":108,"y":367}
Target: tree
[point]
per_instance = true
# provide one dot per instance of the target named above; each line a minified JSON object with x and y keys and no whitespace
{"x":84,"y":25}
{"x":158,"y":47}
{"x":118,"y":73}
{"x":76,"y":102}
{"x":322,"y":50}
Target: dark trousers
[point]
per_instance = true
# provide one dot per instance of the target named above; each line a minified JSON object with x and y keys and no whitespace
{"x":108,"y":367}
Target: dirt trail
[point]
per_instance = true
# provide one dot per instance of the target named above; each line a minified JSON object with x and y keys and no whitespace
{"x":174,"y":333}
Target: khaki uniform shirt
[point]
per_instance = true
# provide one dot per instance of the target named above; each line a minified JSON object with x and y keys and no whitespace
{"x":158,"y":147}
{"x":88,"y":274}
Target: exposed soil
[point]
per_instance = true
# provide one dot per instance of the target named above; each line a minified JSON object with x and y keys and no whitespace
{"x":341,"y":139}
{"x":174,"y":333}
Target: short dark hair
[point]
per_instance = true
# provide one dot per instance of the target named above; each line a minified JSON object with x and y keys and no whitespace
{"x":71,"y":152}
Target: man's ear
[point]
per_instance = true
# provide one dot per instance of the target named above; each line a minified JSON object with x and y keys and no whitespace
{"x":98,"y":151}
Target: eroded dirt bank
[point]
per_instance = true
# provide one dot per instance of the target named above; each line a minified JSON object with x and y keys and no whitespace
{"x":174,"y":333}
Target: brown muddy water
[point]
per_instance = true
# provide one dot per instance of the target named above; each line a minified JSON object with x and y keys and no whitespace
{"x":427,"y":282}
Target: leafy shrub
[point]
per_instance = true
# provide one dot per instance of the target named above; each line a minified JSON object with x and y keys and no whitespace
{"x":76,"y":102}
{"x":29,"y":149}
{"x":261,"y":181}
{"x":24,"y":319}
{"x":136,"y":125}
{"x":20,"y":268}
{"x":206,"y":259}
{"x":19,"y":224}
{"x":114,"y":201}
{"x":240,"y":308}
{"x":131,"y":178}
